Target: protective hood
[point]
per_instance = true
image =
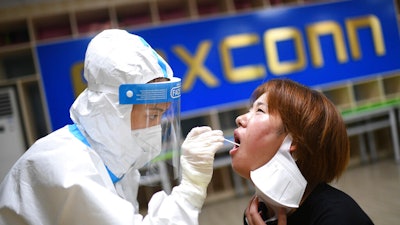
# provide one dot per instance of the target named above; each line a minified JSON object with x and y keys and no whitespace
{"x":113,"y":58}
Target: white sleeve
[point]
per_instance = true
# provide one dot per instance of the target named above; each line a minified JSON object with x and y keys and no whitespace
{"x":162,"y":208}
{"x":171,"y":209}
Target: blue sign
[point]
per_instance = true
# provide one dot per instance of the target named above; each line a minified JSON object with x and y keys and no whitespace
{"x":222,"y":60}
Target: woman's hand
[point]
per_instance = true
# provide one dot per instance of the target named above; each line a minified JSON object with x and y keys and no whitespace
{"x":282,"y":216}
{"x":254,"y":215}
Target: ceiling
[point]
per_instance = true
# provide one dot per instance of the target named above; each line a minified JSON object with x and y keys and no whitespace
{"x":12,"y":3}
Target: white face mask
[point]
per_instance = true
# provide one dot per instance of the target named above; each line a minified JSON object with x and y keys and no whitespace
{"x":149,"y":140}
{"x":279,"y":182}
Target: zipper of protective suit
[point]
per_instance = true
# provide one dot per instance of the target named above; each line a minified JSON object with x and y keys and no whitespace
{"x":77,"y":133}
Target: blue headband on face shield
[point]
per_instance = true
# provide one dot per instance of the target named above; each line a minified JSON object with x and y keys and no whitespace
{"x":150,"y":93}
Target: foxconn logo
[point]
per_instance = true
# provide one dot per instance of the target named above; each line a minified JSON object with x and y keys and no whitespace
{"x":175,"y":92}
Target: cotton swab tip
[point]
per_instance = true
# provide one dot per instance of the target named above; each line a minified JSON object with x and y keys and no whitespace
{"x":232,"y":142}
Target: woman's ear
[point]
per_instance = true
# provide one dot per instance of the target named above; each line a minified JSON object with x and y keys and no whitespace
{"x":292,"y":148}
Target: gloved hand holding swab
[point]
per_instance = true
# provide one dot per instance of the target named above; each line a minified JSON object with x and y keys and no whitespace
{"x":197,"y":160}
{"x":232,"y":142}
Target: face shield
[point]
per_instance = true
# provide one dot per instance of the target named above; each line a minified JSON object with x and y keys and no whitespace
{"x":155,"y":121}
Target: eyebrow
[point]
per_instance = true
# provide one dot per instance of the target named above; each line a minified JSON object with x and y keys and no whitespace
{"x":258,"y":103}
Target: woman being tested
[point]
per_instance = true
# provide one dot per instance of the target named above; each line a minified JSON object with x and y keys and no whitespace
{"x":88,"y":172}
{"x":291,"y":144}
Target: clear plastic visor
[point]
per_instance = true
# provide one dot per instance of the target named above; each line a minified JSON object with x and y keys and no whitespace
{"x":155,"y":124}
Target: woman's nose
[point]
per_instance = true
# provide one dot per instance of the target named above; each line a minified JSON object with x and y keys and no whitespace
{"x":240,"y":120}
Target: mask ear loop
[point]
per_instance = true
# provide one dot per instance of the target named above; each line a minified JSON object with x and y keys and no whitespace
{"x":287,"y":142}
{"x":285,"y":147}
{"x":292,"y":152}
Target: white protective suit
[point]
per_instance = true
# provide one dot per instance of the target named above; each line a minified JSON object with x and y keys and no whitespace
{"x":87,"y":173}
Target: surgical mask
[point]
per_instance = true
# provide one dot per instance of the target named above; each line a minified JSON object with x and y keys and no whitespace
{"x":149,"y":140}
{"x":279,"y":182}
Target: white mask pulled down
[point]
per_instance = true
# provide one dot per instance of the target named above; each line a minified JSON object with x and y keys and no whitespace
{"x":149,"y":140}
{"x":279,"y":182}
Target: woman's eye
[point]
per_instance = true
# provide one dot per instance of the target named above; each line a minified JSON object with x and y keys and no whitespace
{"x":260,"y":110}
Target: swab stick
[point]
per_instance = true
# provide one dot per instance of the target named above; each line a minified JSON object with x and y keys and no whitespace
{"x":227,"y":140}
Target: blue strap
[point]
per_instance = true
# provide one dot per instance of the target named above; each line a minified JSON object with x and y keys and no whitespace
{"x":77,"y":133}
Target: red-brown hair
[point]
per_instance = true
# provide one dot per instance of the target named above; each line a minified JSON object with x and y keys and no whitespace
{"x":318,"y":131}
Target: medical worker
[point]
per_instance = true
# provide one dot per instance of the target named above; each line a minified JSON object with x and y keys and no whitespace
{"x":88,"y":172}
